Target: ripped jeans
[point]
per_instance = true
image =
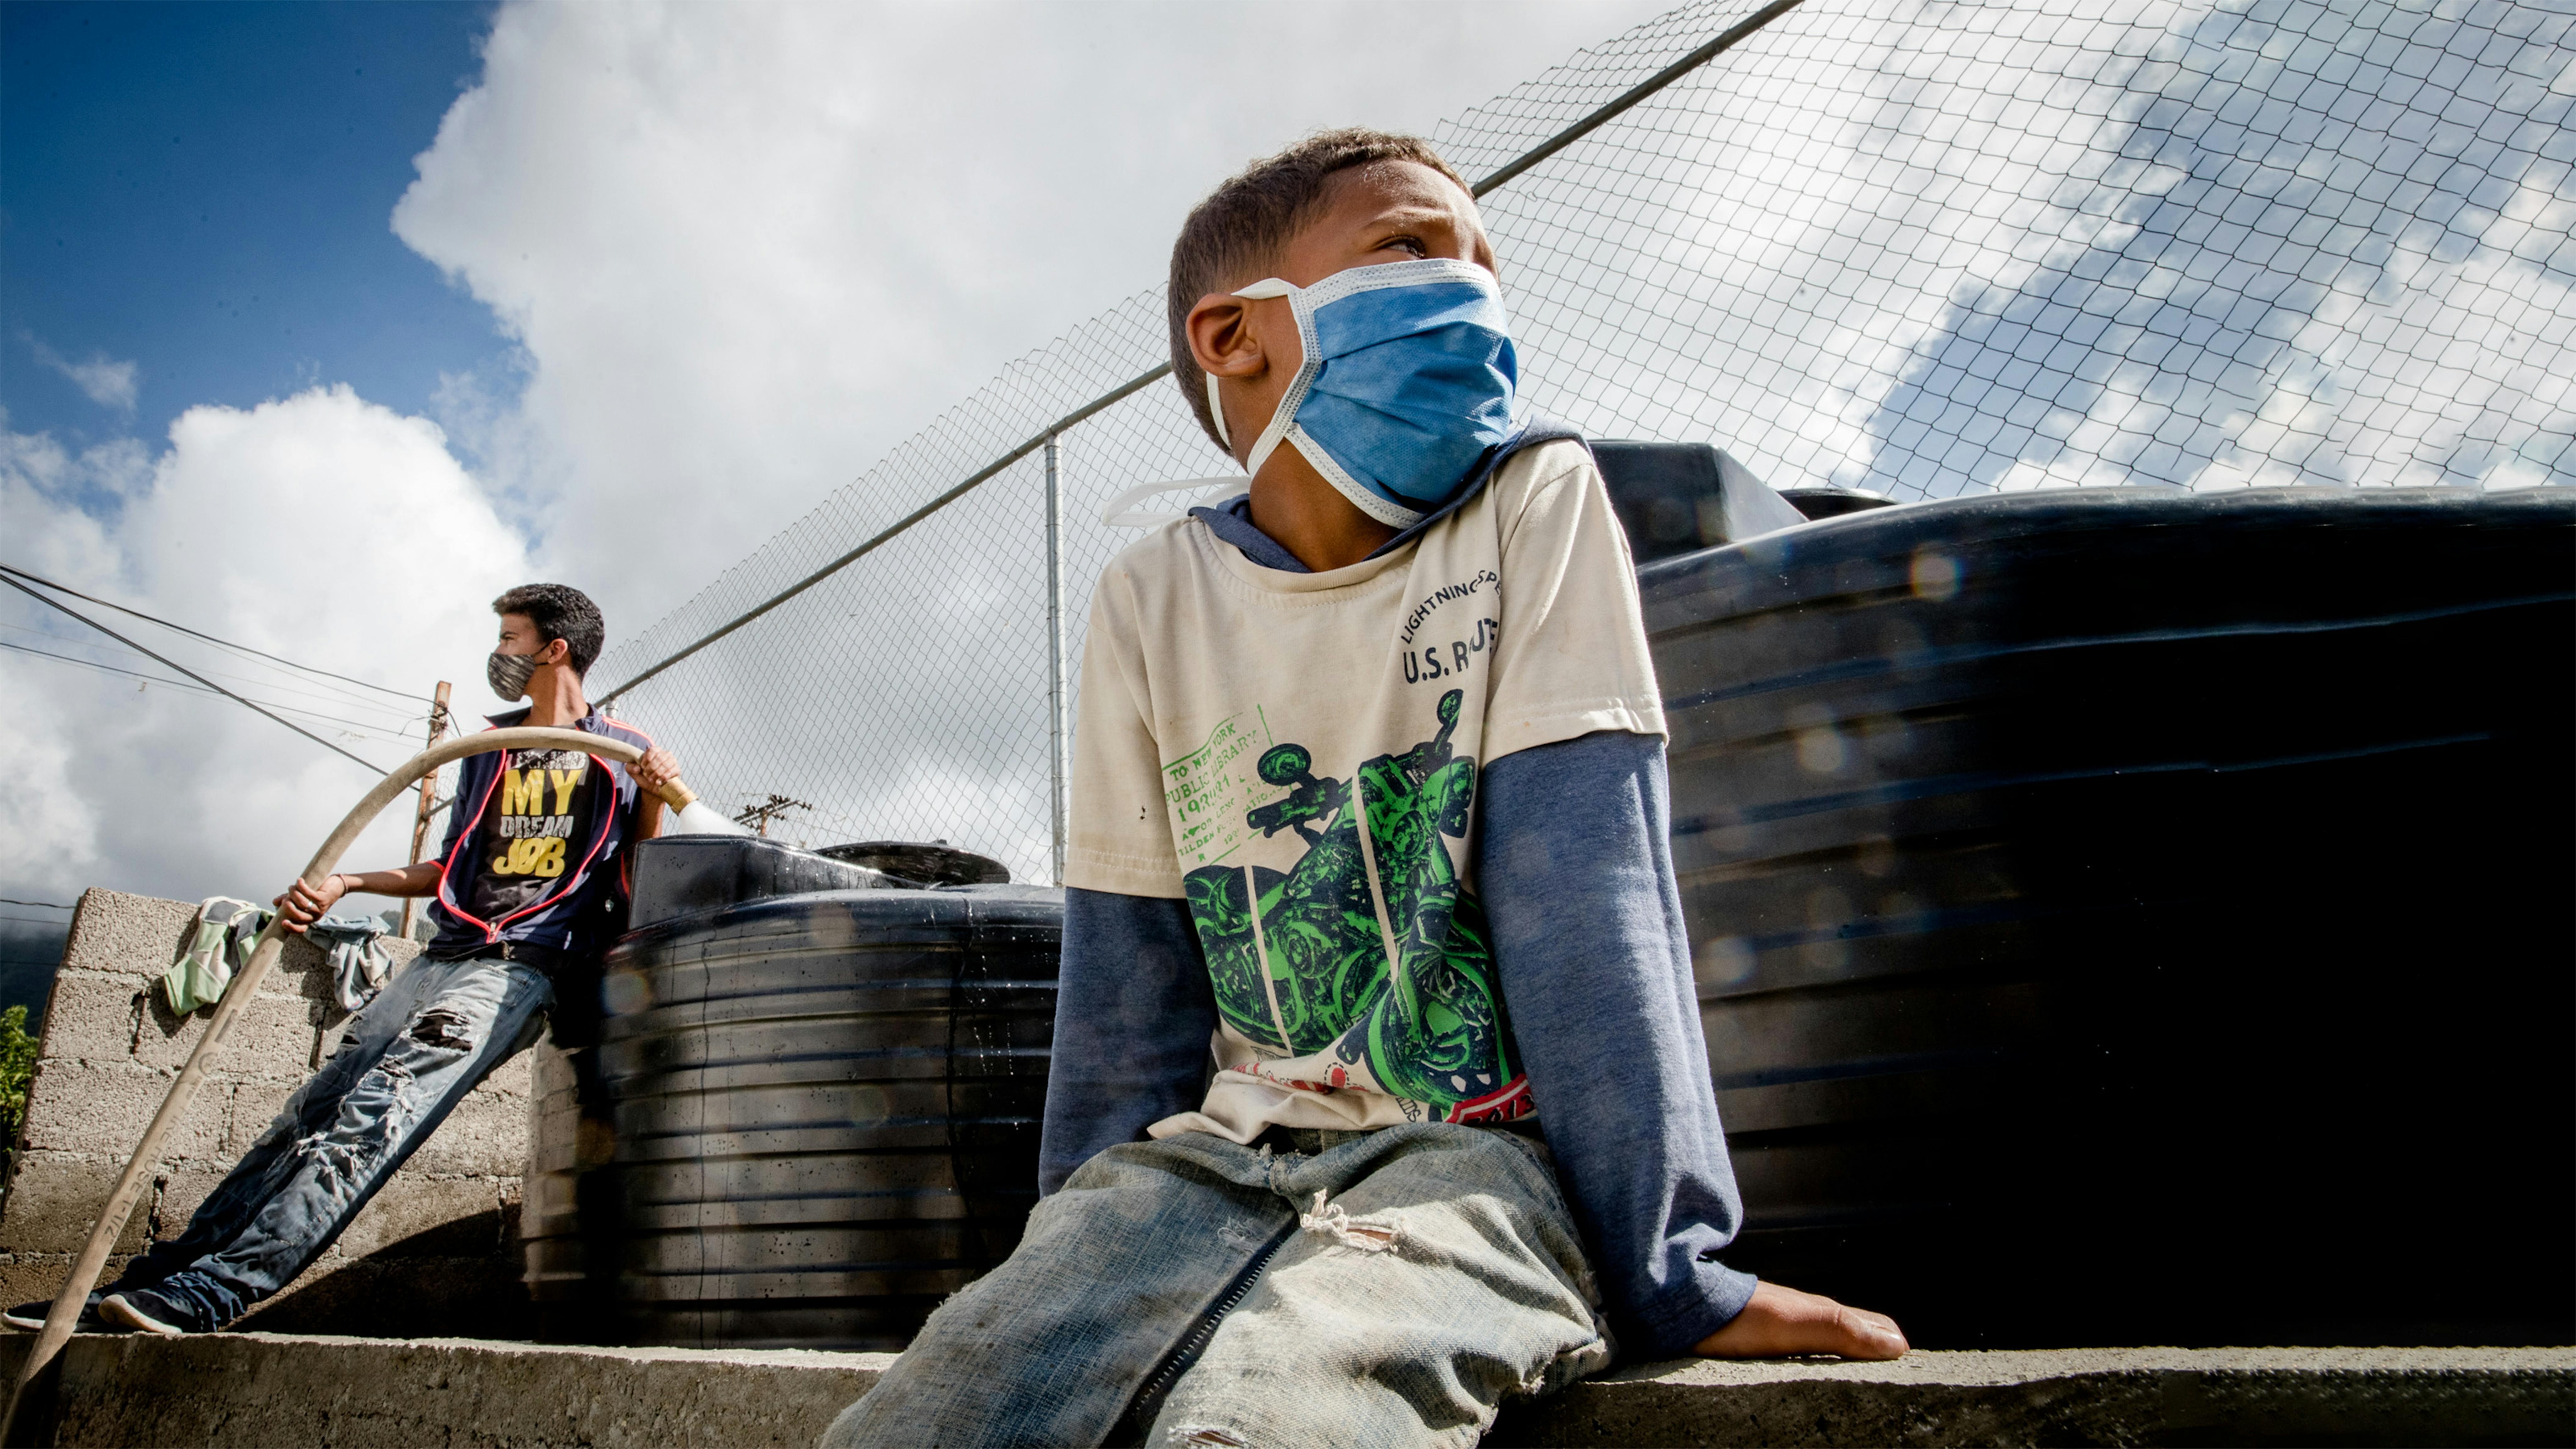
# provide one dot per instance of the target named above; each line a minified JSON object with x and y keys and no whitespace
{"x":405,"y":1059}
{"x":1367,"y":1288}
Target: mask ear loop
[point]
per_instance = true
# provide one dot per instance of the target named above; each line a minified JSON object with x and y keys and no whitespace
{"x":1122,"y":512}
{"x":1284,"y":415}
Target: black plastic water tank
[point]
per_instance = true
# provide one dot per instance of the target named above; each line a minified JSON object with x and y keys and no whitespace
{"x":2126,"y":916}
{"x":1675,"y":498}
{"x":806,"y":1119}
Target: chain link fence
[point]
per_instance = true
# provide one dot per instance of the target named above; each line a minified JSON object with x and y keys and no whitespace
{"x":1920,"y":248}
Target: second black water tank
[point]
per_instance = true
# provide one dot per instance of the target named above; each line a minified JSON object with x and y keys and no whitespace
{"x":2125,"y":916}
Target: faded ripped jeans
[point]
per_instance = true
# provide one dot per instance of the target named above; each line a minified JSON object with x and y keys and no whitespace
{"x":405,"y":1058}
{"x":1365,"y":1288}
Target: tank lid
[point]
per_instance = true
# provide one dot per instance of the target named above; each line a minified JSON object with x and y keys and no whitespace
{"x":1834,"y":502}
{"x":935,"y":863}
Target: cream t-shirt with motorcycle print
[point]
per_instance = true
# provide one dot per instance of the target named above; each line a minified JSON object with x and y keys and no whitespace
{"x":1297,"y":755}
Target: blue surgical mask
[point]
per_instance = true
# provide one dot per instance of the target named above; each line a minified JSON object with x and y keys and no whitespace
{"x":1407,"y":381}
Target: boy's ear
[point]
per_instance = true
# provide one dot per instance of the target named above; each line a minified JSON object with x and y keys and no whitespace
{"x":1222,"y":338}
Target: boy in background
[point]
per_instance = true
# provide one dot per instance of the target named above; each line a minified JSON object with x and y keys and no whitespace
{"x":529,"y":888}
{"x":1369,"y":802}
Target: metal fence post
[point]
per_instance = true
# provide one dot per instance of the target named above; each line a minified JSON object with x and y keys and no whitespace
{"x":1057,"y":732}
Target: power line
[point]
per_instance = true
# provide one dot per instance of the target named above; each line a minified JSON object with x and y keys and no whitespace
{"x":336,"y":697}
{"x":194,"y":634}
{"x":192,"y":674}
{"x":195,"y":689}
{"x":41,"y":905}
{"x":289,"y":685}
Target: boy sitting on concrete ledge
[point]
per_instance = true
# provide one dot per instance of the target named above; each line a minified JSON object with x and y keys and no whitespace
{"x":1369,"y":798}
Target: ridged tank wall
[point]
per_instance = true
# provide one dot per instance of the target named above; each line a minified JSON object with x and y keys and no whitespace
{"x":2126,"y":916}
{"x":800,"y":1120}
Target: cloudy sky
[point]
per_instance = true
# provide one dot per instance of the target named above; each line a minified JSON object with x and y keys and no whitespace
{"x":323,"y":323}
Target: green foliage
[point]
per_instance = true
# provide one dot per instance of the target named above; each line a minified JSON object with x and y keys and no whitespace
{"x":17,"y":1067}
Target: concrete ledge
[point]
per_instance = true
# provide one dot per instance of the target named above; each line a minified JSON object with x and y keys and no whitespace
{"x":2078,"y":1396}
{"x":259,"y":1389}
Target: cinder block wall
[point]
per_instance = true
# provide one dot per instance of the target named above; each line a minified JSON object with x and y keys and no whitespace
{"x":436,"y":1253}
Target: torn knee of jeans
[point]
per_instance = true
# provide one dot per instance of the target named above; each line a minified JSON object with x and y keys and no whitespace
{"x":338,"y":1158}
{"x":1201,"y":1434}
{"x":1350,"y":1232}
{"x":442,"y":1029}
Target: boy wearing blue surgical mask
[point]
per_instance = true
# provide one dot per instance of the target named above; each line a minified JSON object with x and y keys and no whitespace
{"x":1378,"y":1092}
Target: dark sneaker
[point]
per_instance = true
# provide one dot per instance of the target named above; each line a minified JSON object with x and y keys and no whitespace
{"x":144,"y":1309}
{"x":31,"y":1317}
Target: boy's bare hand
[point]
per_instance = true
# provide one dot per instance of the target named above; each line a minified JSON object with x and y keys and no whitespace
{"x":1783,"y":1321}
{"x":302,"y":905}
{"x":658,"y":768}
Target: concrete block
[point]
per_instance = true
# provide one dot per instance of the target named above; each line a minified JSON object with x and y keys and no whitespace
{"x":103,"y":1109}
{"x":420,"y":1216}
{"x":510,"y":1079}
{"x":92,"y":1017}
{"x":304,"y":969}
{"x":513,"y":1206}
{"x":271,"y":1037}
{"x":487,"y":1136}
{"x":254,"y":1106}
{"x":126,"y":935}
{"x":55,"y":1199}
{"x":163,"y":1037}
{"x":550,"y":1070}
{"x":37,"y":1277}
{"x":183,"y":1190}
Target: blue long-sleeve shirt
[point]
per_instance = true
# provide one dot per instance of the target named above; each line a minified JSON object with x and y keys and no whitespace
{"x":1574,"y":866}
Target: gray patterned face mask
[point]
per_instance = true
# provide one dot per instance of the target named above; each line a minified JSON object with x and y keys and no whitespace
{"x":509,"y":674}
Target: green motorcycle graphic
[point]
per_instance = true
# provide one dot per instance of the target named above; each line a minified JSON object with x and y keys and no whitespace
{"x":1302,"y":960}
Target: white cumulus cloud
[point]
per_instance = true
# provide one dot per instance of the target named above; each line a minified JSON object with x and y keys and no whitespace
{"x":322,"y":528}
{"x":747,"y":249}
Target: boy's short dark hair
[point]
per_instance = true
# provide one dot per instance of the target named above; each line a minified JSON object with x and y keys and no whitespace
{"x":1238,"y":232}
{"x":559,"y":611}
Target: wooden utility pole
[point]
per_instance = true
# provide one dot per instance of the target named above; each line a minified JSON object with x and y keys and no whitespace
{"x":759,"y":816}
{"x":428,"y":784}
